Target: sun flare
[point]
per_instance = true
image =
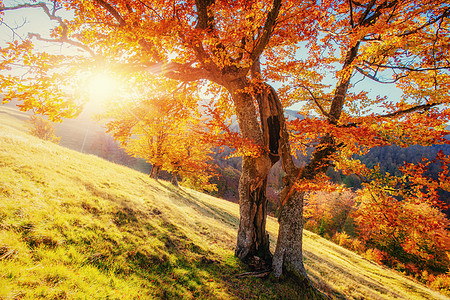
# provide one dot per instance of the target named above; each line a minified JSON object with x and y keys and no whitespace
{"x":101,"y":87}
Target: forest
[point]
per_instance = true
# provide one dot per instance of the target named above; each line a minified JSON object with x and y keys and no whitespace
{"x":204,"y":91}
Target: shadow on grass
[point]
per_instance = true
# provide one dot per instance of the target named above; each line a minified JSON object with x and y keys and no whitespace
{"x":179,"y":195}
{"x":327,"y":266}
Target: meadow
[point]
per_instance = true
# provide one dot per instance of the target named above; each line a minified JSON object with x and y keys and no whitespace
{"x":75,"y":226}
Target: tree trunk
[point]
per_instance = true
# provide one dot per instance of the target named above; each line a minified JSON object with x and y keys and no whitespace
{"x":288,"y":257}
{"x":154,"y":172}
{"x":174,"y":179}
{"x":252,"y":239}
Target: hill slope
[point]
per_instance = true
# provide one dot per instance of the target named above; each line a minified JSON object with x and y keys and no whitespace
{"x":76,"y":226}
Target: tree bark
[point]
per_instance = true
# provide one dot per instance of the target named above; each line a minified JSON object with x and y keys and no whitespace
{"x":154,"y":172}
{"x":174,"y":179}
{"x":252,"y":239}
{"x":288,"y":257}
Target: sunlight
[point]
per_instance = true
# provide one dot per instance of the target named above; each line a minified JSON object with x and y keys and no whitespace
{"x":101,"y":87}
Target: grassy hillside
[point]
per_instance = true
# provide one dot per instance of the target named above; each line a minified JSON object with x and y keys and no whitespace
{"x":82,"y":134}
{"x":74,"y":226}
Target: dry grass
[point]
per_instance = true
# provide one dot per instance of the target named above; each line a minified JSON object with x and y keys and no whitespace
{"x":74,"y":226}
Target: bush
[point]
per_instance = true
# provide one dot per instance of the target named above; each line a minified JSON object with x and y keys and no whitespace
{"x":343,"y":239}
{"x":42,"y":128}
{"x":440,"y":283}
{"x":375,"y":255}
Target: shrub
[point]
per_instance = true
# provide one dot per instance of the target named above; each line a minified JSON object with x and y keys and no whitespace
{"x":358,"y":246}
{"x":42,"y":128}
{"x":343,"y":239}
{"x":440,"y":283}
{"x":375,"y":255}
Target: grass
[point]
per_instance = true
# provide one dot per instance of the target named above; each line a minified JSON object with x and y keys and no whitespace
{"x":74,"y":226}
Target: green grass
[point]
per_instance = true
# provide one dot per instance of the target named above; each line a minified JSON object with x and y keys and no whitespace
{"x":74,"y":226}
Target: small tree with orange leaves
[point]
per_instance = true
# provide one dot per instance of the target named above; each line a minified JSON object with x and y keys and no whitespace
{"x":42,"y":128}
{"x":167,"y":131}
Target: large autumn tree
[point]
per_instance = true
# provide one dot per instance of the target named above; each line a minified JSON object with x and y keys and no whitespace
{"x":215,"y":44}
{"x":233,"y":49}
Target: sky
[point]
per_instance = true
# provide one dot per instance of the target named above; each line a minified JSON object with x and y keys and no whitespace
{"x":35,"y":20}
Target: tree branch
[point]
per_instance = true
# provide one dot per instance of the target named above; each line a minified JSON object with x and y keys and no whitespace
{"x":62,"y":40}
{"x":409,"y":110}
{"x":352,"y":24}
{"x":152,"y":9}
{"x":366,"y":12}
{"x":112,"y":11}
{"x":64,"y":33}
{"x":183,"y":72}
{"x":378,"y":11}
{"x":267,"y":30}
{"x":406,"y":68}
{"x":19,"y":6}
{"x":374,"y":78}
{"x":445,"y":14}
{"x":322,"y":110}
{"x":13,"y":30}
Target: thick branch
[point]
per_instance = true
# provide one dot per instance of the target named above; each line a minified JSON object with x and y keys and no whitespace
{"x":205,"y":20}
{"x":352,"y":23}
{"x":341,"y":90}
{"x":112,"y":11}
{"x":409,"y":110}
{"x":267,"y":30}
{"x":26,"y":5}
{"x":366,"y":12}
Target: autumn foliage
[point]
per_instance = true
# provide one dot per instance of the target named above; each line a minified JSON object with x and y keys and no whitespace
{"x":319,"y":56}
{"x":166,"y":130}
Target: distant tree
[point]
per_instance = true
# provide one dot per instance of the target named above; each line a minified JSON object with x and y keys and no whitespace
{"x":402,"y":215}
{"x":329,"y":213}
{"x":414,"y":235}
{"x":42,"y":128}
{"x":165,"y":131}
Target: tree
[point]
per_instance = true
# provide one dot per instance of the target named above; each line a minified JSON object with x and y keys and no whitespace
{"x":234,"y":49}
{"x":185,"y":41}
{"x":412,"y":233}
{"x":164,"y":129}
